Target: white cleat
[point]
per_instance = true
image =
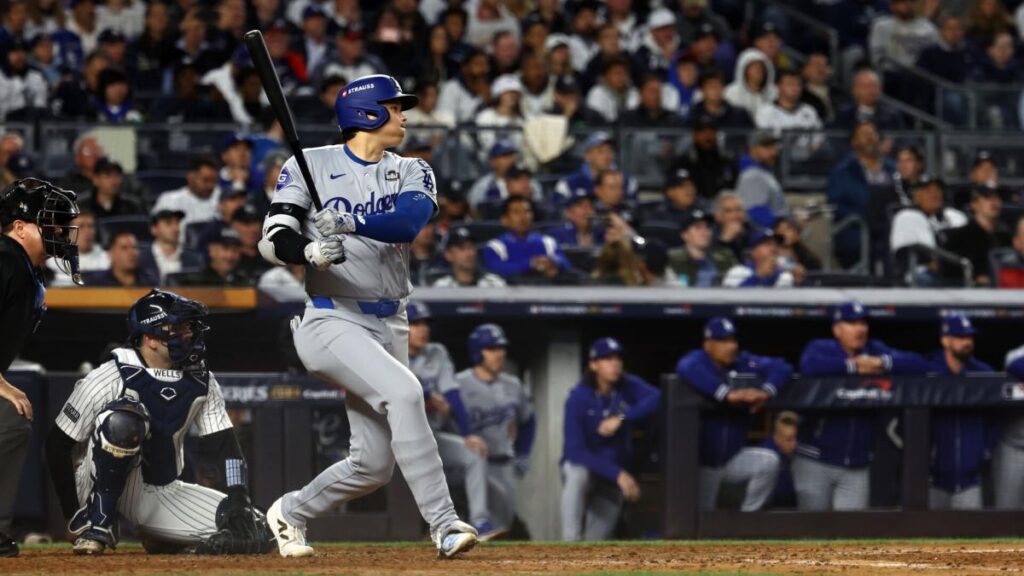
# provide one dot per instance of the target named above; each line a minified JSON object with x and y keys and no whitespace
{"x":457,"y":538}
{"x":291,"y":541}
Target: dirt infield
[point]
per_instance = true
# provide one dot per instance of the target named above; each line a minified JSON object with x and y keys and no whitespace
{"x":849,"y":558}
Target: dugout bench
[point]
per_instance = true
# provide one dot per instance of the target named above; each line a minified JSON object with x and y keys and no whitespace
{"x":912,"y":397}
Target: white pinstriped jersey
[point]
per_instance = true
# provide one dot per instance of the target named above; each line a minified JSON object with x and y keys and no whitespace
{"x":373,"y":270}
{"x":104,"y":384}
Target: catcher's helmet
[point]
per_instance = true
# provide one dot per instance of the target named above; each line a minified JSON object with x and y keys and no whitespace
{"x":485,"y":336}
{"x":51,"y":209}
{"x":158,"y":313}
{"x":359,"y":104}
{"x":417,"y":311}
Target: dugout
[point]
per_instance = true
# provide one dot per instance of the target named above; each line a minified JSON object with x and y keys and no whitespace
{"x":549,"y":329}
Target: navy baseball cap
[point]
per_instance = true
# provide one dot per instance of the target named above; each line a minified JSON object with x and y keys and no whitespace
{"x":851,"y":311}
{"x":596,"y":139}
{"x":165,"y":213}
{"x":247,"y":213}
{"x":236,"y":138}
{"x":21,"y":165}
{"x":958,"y":325}
{"x":605,"y":347}
{"x":678,"y":178}
{"x":457,"y":236}
{"x":575,"y":195}
{"x":417,"y":311}
{"x":695,"y":217}
{"x":502,"y":148}
{"x":227,"y":237}
{"x":762,"y":235}
{"x":312,"y":11}
{"x":719,"y":328}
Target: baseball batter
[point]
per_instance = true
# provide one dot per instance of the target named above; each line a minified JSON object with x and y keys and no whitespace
{"x":132,"y":413}
{"x":354,"y":331}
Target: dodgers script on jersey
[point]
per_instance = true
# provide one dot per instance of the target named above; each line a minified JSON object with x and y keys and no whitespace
{"x":495,"y":409}
{"x":373,"y":270}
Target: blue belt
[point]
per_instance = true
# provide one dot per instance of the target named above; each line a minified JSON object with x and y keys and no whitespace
{"x":379,"y":308}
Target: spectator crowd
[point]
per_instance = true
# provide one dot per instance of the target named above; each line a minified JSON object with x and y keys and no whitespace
{"x":549,"y":97}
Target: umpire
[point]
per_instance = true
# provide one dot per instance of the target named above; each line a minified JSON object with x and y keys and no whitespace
{"x":35,"y":218}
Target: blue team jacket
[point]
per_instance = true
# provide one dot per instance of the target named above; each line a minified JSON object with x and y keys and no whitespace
{"x":568,"y":237}
{"x":723,"y":434}
{"x":846,"y":439}
{"x":633,"y":398}
{"x":510,"y":255}
{"x":961,"y":440}
{"x":1016,"y":368}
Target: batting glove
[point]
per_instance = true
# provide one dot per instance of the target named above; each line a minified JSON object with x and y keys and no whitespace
{"x":323,"y":253}
{"x":329,"y":222}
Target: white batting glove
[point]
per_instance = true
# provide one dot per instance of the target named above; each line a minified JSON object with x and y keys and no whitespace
{"x":321,"y":254}
{"x":329,"y":222}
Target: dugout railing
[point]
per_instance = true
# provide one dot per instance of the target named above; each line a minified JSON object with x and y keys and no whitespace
{"x":912,"y":398}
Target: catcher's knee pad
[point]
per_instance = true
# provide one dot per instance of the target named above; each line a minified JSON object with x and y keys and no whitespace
{"x":121,"y":428}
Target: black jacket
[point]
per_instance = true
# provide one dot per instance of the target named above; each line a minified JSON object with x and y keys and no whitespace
{"x":21,"y":300}
{"x":712,"y":170}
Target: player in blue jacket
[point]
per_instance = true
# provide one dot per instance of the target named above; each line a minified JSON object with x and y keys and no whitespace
{"x":520,"y":252}
{"x":961,"y":439}
{"x":710,"y":370}
{"x":599,"y":417}
{"x":1008,"y":460}
{"x":831,"y":465}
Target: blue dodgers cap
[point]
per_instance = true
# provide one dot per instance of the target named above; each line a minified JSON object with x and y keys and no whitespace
{"x":575,"y":195}
{"x":236,"y":138}
{"x":719,"y":329}
{"x":596,"y":139}
{"x":851,"y":311}
{"x":762,"y":235}
{"x":605,"y":347}
{"x":957,"y":325}
{"x":417,"y":311}
{"x":502,"y":148}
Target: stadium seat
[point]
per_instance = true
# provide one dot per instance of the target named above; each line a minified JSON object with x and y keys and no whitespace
{"x":484,"y":232}
{"x":667,"y":233}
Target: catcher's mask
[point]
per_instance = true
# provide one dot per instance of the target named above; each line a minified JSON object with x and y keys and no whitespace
{"x":177,"y":321}
{"x":51,"y":209}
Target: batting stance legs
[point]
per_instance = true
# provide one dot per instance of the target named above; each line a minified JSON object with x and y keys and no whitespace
{"x":368,"y":356}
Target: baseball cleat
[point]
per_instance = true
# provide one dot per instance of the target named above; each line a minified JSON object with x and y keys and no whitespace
{"x":291,"y":540}
{"x":457,"y":538}
{"x":488,"y":531}
{"x":8,"y":547}
{"x":93,"y":542}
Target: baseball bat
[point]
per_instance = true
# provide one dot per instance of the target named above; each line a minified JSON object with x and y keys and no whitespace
{"x":272,"y":86}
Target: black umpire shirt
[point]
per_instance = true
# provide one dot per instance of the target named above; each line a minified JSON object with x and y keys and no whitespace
{"x":21,"y":299}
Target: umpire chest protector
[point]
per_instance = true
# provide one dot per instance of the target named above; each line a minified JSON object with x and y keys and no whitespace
{"x":171,"y":397}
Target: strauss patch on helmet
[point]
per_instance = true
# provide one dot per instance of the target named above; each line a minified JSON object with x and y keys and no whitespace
{"x":355,"y":89}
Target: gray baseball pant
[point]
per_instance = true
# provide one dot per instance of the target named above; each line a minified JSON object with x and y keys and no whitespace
{"x":1008,"y":476}
{"x":826,"y":487}
{"x":591,"y":505}
{"x":967,"y":499}
{"x":470,"y":468}
{"x":501,"y":493}
{"x":757,"y":469}
{"x":369,"y":357}
{"x":15,"y":432}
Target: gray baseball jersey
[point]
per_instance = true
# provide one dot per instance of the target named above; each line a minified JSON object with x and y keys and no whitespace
{"x":495,"y":409}
{"x":373,"y":270}
{"x":436,"y":373}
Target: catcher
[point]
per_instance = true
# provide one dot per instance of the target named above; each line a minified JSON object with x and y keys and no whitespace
{"x":132,"y":414}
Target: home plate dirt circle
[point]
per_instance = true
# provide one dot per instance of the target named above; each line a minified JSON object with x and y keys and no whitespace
{"x":849,"y":558}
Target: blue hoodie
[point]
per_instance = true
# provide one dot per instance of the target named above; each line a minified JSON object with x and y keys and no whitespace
{"x":633,"y":398}
{"x":724,"y":433}
{"x":846,"y":439}
{"x":961,"y":439}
